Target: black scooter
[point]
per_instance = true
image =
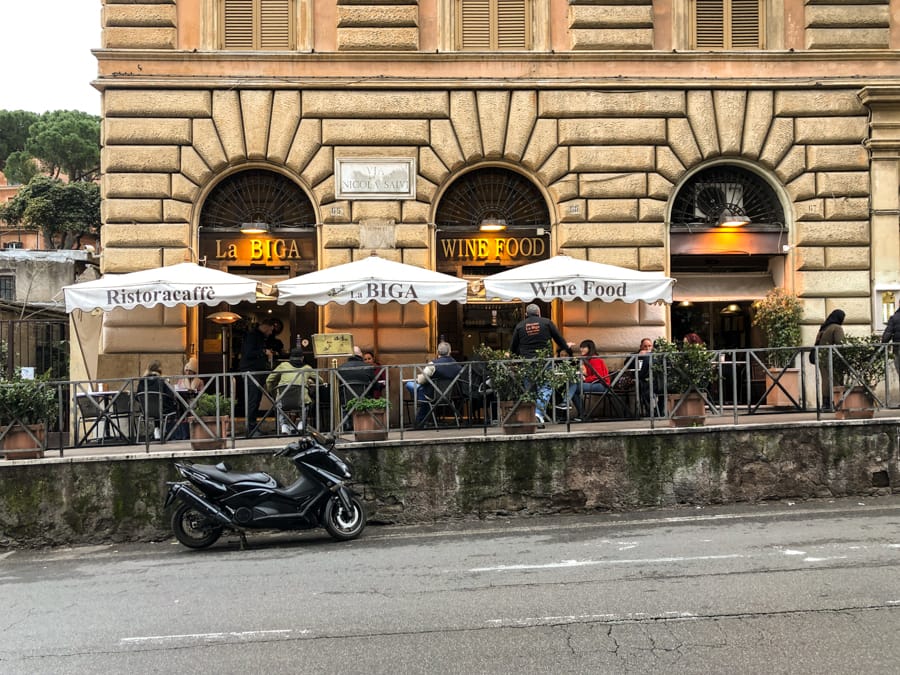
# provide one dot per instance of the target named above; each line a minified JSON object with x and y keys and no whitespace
{"x":214,"y":498}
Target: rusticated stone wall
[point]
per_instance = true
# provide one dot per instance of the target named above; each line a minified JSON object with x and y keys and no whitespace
{"x":139,"y":24}
{"x":62,"y":501}
{"x":832,"y":24}
{"x":377,"y":24}
{"x":611,"y":24}
{"x":609,"y":162}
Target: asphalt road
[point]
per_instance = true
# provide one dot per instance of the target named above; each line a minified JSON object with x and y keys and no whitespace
{"x":779,"y":588}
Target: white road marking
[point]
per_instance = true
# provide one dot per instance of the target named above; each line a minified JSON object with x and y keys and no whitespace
{"x":578,"y":618}
{"x":241,"y":635}
{"x":823,"y":559}
{"x":790,"y":551}
{"x":588,"y":563}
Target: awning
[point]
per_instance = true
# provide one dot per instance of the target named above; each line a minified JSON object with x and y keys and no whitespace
{"x":722,"y":287}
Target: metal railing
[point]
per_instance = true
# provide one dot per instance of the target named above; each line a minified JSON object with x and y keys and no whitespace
{"x":121,"y":412}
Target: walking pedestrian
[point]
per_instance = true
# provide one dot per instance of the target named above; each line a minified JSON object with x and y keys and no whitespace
{"x":532,"y":334}
{"x":256,"y":362}
{"x":831,"y":332}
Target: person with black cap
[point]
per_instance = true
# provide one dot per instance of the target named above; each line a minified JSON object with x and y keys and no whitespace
{"x":530,"y":335}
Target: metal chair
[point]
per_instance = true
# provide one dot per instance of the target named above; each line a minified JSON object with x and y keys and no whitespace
{"x":291,"y":406}
{"x":155,"y":410}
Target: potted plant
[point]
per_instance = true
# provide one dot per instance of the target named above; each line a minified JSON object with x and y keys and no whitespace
{"x":26,"y":406}
{"x":684,"y":372}
{"x":863,"y":362}
{"x":778,"y":315}
{"x":369,"y":418}
{"x":211,"y":423}
{"x":516,"y":383}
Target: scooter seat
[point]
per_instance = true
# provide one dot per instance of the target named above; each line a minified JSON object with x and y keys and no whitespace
{"x":231,"y":477}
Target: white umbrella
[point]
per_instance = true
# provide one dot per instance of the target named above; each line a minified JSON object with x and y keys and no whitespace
{"x":565,"y":278}
{"x":186,"y":284}
{"x":372,"y":279}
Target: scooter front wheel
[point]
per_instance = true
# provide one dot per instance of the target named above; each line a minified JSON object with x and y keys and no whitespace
{"x":341,"y":523}
{"x":193,"y":528}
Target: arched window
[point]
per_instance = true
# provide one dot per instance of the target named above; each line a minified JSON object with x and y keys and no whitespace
{"x":257,"y":196}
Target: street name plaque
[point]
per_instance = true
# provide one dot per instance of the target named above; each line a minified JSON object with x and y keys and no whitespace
{"x":375,"y":178}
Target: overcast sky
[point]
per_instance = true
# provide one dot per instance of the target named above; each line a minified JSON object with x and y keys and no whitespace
{"x":45,"y":55}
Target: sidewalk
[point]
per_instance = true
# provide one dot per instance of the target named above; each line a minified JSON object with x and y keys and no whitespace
{"x":713,"y":423}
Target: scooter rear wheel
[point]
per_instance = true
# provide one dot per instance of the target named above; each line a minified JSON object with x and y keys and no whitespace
{"x":193,"y":528}
{"x":342,"y":524}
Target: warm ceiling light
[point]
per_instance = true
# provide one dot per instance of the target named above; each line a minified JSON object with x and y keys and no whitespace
{"x":258,"y":227}
{"x":224,"y":318}
{"x":685,"y":303}
{"x":492,"y":225}
{"x":731,"y":309}
{"x":729,"y":218}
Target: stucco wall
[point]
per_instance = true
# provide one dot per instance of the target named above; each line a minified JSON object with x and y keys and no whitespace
{"x":62,"y":501}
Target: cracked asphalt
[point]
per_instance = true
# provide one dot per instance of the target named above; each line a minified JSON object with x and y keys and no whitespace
{"x":778,"y":587}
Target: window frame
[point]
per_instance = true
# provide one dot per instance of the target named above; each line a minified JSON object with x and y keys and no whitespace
{"x":727,"y":27}
{"x":256,"y":8}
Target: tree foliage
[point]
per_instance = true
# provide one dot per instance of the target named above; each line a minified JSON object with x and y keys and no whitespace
{"x":66,"y":141}
{"x":20,"y":167}
{"x":61,"y":211}
{"x":14,"y":125}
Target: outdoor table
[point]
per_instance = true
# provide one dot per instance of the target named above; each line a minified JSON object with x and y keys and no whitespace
{"x":110,"y":412}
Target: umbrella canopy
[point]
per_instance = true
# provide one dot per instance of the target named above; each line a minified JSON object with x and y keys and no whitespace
{"x":186,"y":284}
{"x":565,"y":278}
{"x":372,"y":279}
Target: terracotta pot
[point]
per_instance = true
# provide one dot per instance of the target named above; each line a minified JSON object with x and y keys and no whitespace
{"x":370,"y":425}
{"x":857,"y":404}
{"x":18,"y":444}
{"x":790,"y":380}
{"x":517,"y":417}
{"x":687,"y":410}
{"x":201,"y":439}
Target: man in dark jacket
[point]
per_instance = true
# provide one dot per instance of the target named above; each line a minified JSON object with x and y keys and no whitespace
{"x":892,"y":334}
{"x":534,"y":333}
{"x":443,"y":370}
{"x":354,"y":379}
{"x":255,"y":358}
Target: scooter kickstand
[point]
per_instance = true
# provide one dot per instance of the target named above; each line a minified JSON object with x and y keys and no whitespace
{"x":243,"y":539}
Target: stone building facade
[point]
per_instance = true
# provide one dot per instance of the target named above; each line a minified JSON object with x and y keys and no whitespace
{"x":608,"y":122}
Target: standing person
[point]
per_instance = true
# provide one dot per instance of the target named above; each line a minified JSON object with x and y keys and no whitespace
{"x":830,"y":333}
{"x":255,"y":358}
{"x":530,"y":335}
{"x":643,"y":377}
{"x":892,"y":334}
{"x":273,"y":342}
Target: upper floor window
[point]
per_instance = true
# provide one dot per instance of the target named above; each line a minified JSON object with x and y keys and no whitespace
{"x":728,"y":24}
{"x":7,"y":287}
{"x":258,"y":24}
{"x":484,"y":25}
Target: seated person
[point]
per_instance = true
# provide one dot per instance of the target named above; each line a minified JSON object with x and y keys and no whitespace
{"x":154,"y":384}
{"x":377,"y":390}
{"x":444,"y":367}
{"x":190,"y":381}
{"x":354,"y":378}
{"x":595,"y":375}
{"x":292,"y":373}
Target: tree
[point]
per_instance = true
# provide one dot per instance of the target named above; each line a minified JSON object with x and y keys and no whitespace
{"x":14,"y":125}
{"x":66,"y":141}
{"x":20,"y":167}
{"x":61,"y":211}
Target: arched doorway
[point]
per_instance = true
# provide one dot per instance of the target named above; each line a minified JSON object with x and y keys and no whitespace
{"x":728,"y":242}
{"x":488,"y":220}
{"x":260,"y":224}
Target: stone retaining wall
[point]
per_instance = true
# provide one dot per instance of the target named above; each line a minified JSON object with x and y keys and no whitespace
{"x":84,"y":501}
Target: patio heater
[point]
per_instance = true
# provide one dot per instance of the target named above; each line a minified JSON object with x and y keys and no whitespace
{"x":224,"y":319}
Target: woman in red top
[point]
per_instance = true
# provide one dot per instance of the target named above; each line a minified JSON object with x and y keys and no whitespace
{"x":594,"y":377}
{"x":596,"y":374}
